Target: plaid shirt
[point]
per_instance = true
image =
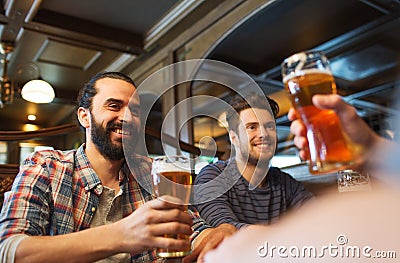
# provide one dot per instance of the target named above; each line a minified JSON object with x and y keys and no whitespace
{"x":55,"y":193}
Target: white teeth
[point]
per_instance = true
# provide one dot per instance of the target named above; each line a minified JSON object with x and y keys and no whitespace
{"x":119,"y":131}
{"x":263,"y":145}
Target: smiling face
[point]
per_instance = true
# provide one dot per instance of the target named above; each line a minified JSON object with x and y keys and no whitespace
{"x":115,"y":115}
{"x":255,"y":139}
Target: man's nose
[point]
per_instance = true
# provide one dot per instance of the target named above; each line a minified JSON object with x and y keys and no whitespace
{"x":125,"y":116}
{"x":263,"y":131}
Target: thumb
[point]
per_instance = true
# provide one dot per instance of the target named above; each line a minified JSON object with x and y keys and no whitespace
{"x":335,"y":102}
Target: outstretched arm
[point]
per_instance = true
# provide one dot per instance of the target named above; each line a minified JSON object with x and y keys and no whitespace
{"x":140,"y":231}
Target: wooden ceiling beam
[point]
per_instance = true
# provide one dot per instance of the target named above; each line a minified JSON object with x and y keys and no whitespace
{"x":72,"y":28}
{"x":16,"y":13}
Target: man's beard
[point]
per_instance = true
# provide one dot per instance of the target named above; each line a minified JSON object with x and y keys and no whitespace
{"x":253,"y":158}
{"x":102,"y":139}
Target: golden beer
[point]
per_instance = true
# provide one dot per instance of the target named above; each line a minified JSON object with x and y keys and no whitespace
{"x":179,"y":177}
{"x":173,"y":179}
{"x":329,"y":148}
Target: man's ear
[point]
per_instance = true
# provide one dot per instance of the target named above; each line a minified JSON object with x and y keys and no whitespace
{"x":233,"y":137}
{"x":84,"y":117}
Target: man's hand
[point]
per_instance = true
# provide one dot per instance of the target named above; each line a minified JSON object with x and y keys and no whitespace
{"x":208,"y":240}
{"x":353,"y":126}
{"x":144,"y":228}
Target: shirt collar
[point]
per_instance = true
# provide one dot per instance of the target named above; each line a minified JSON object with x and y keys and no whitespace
{"x":88,"y":176}
{"x":139,"y":170}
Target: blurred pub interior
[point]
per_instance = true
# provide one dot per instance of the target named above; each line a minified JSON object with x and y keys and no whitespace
{"x":67,"y":42}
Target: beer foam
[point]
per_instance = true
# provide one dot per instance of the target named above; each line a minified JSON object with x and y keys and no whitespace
{"x":165,"y":165}
{"x":173,"y":167}
{"x":304,"y":72}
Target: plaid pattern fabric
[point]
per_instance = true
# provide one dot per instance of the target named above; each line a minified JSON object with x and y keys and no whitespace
{"x":54,"y":193}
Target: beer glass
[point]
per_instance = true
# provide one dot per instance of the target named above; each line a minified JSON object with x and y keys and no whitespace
{"x":353,"y":180}
{"x":172,"y":177}
{"x":304,"y":75}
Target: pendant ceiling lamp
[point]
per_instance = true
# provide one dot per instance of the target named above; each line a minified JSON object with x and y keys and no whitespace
{"x":38,"y":90}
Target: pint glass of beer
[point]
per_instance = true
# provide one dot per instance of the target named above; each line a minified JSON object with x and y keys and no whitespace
{"x":304,"y":75}
{"x":172,"y":177}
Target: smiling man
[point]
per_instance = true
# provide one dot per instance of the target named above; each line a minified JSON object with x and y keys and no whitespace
{"x":86,"y":205}
{"x":245,"y":190}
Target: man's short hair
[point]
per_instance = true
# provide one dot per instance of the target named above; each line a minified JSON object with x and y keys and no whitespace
{"x":253,"y":100}
{"x":88,"y":91}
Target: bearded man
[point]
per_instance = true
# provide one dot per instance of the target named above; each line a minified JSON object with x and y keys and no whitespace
{"x":86,"y":204}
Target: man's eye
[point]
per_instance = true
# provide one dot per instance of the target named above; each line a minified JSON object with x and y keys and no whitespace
{"x":270,"y":127}
{"x":113,"y":106}
{"x":135,"y":112}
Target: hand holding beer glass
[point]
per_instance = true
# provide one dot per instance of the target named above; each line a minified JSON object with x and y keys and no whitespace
{"x":172,"y":177}
{"x":304,"y":75}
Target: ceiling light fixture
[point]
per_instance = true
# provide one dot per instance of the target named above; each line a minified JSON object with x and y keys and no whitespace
{"x":6,"y":87}
{"x":32,"y":117}
{"x":38,"y":90}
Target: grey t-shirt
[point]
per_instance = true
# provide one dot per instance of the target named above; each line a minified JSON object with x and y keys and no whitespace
{"x":242,"y":204}
{"x":109,"y":211}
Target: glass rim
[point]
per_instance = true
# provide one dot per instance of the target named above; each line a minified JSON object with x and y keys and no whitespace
{"x":305,"y":52}
{"x":171,"y":157}
{"x":298,"y":59}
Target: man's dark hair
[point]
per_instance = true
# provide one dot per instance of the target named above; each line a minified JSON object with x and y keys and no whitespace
{"x":253,"y":100}
{"x":88,"y":91}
